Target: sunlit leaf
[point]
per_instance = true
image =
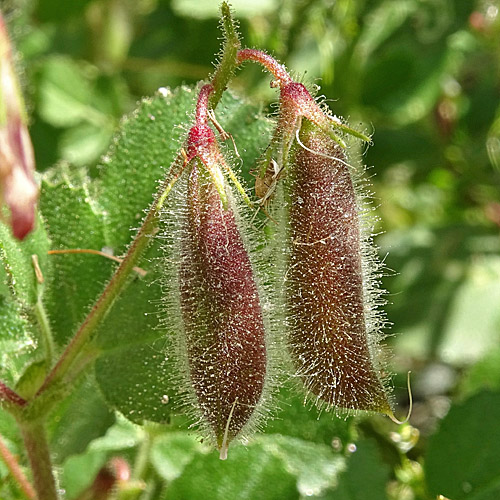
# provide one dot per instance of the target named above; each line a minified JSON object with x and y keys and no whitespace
{"x":74,"y":221}
{"x":19,"y":292}
{"x":248,"y":472}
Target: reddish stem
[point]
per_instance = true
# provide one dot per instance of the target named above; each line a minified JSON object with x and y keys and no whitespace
{"x":16,"y":472}
{"x":202,"y":104}
{"x":37,"y":449}
{"x":278,"y":70}
{"x":138,"y":270}
{"x":201,"y":138}
{"x":7,"y":394}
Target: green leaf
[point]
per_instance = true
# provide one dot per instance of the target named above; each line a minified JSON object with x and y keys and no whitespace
{"x":485,"y":374}
{"x":83,"y":417}
{"x":130,"y":328}
{"x":123,"y":435}
{"x":250,"y":130}
{"x":65,"y":95}
{"x":417,"y":71}
{"x":248,"y":473}
{"x":295,"y":419}
{"x":463,"y":455}
{"x":447,"y":286}
{"x":31,"y":379}
{"x":17,"y":343}
{"x":173,"y":451}
{"x":17,"y":271}
{"x":142,"y":151}
{"x":137,"y":380}
{"x":385,"y":19}
{"x":315,"y":465}
{"x":79,"y":471}
{"x":19,"y":292}
{"x":366,"y":476}
{"x":85,"y":143}
{"x":73,"y":221}
{"x":134,"y":371}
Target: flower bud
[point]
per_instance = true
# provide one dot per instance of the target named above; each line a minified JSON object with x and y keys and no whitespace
{"x":17,"y":186}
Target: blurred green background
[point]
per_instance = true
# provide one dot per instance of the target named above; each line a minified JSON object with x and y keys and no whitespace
{"x":423,"y":76}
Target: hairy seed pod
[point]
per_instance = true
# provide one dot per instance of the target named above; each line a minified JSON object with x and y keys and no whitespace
{"x":325,"y":280}
{"x":331,"y":295}
{"x":221,"y":310}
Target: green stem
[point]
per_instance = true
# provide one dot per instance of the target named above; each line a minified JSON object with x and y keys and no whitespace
{"x":35,"y":442}
{"x":142,"y":457}
{"x":45,"y":330}
{"x":153,"y":488}
{"x":16,"y":471}
{"x":141,"y":471}
{"x":105,"y":301}
{"x":227,"y":64}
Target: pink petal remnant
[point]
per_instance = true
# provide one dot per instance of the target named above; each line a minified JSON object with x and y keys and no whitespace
{"x":18,"y":188}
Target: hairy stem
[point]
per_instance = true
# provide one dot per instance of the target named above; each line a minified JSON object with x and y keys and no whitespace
{"x":142,"y":456}
{"x":16,"y":471}
{"x":8,"y":397}
{"x":35,"y":442}
{"x":227,"y":63}
{"x":274,"y":67}
{"x":45,"y":330}
{"x":105,"y":301}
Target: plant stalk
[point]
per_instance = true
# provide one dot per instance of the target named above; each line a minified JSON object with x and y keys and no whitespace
{"x":227,"y":63}
{"x":105,"y":301}
{"x":37,"y":448}
{"x":45,"y":330}
{"x":16,"y":471}
{"x":8,"y":397}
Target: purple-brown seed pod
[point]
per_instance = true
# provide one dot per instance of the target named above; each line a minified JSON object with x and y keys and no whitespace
{"x":331,"y":295}
{"x":325,"y":289}
{"x":222,"y":320}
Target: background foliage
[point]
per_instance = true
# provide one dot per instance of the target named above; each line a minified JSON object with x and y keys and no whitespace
{"x":424,"y":76}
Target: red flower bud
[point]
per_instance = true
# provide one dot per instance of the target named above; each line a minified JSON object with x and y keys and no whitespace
{"x":17,"y":186}
{"x":223,"y":322}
